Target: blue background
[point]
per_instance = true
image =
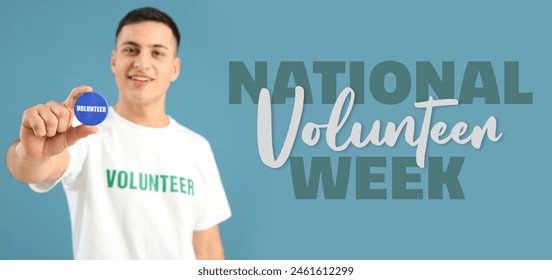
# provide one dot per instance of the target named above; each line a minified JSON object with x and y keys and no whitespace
{"x":49,"y":47}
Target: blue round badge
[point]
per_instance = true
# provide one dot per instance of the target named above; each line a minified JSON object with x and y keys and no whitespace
{"x":91,"y":108}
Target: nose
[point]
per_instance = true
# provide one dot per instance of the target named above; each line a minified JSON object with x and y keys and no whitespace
{"x":142,"y":61}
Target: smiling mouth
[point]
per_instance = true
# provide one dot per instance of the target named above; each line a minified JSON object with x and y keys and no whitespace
{"x":140,"y":78}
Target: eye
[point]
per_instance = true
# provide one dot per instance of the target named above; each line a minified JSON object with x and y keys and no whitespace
{"x":130,"y":51}
{"x":158,"y":53}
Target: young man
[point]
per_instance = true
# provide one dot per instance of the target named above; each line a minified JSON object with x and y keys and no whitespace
{"x":139,"y":185}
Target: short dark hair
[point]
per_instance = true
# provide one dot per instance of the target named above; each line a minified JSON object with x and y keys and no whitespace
{"x":149,"y":14}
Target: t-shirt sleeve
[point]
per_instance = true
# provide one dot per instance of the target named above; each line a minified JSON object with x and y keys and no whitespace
{"x":77,"y":153}
{"x":215,"y":208}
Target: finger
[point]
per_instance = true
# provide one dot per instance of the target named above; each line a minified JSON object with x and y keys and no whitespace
{"x":74,"y":134}
{"x":32,"y":120}
{"x":49,"y":118}
{"x":62,"y":141}
{"x":63,"y":115}
{"x":74,"y":94}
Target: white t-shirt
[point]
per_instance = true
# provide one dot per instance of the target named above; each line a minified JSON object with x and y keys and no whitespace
{"x":136,"y":192}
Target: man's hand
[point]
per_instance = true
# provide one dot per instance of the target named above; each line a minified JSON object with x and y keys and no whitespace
{"x":45,"y":134}
{"x":46,"y":129}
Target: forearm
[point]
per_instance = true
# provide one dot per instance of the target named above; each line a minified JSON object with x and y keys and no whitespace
{"x":33,"y":170}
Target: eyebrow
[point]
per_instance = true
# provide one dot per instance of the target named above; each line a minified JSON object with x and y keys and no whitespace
{"x":132,"y":43}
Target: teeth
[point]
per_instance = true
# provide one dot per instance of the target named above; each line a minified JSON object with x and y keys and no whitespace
{"x":141,"y":79}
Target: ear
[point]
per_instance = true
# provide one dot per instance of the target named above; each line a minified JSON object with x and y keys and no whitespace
{"x":176,"y":69}
{"x":113,"y":61}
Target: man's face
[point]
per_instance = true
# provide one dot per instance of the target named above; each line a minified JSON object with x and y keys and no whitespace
{"x":144,"y":62}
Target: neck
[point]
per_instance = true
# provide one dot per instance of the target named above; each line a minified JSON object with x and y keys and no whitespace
{"x":150,"y":115}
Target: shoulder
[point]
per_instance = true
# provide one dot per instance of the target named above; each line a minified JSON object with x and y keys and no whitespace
{"x":189,"y":136}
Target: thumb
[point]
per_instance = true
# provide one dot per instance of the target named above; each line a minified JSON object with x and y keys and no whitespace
{"x":74,"y":134}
